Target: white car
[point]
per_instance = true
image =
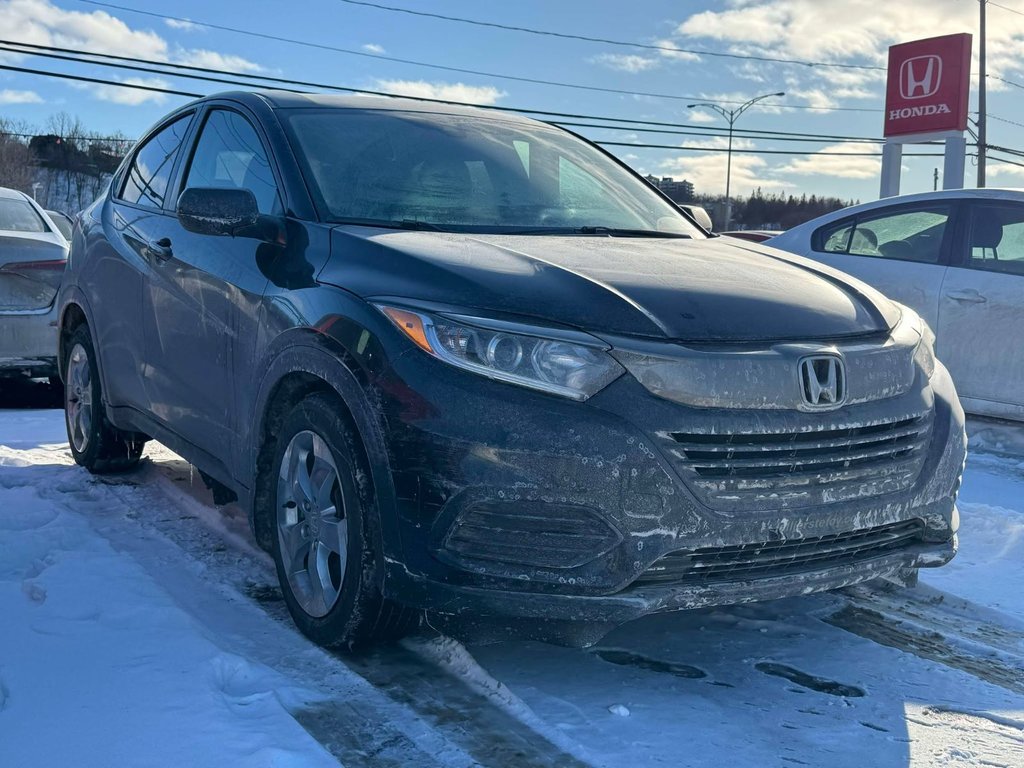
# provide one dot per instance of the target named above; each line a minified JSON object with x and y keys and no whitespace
{"x":957,"y":258}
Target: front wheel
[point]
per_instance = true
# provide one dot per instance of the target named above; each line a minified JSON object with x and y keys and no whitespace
{"x":326,"y":541}
{"x":95,"y":443}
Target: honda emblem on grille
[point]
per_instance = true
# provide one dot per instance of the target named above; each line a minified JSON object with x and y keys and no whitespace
{"x":823,"y":381}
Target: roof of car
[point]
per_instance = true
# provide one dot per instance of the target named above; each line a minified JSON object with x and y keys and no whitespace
{"x":11,"y":193}
{"x":292,"y":100}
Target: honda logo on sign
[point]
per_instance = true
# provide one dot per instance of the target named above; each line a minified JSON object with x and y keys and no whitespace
{"x":920,"y":77}
{"x":927,"y":86}
{"x":823,"y":381}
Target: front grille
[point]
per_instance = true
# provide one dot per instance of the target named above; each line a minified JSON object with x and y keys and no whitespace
{"x":786,"y":470}
{"x":778,"y":558}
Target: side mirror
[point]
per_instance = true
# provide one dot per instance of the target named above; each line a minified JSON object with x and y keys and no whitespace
{"x":699,"y":215}
{"x":215,"y":211}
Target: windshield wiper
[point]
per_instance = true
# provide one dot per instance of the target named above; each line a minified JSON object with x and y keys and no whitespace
{"x":617,"y":232}
{"x":597,"y":230}
{"x":422,"y":226}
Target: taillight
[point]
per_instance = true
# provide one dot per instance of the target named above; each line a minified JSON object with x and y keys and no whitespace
{"x":49,"y":272}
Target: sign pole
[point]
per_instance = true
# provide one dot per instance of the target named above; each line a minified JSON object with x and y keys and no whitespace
{"x":982,"y":138}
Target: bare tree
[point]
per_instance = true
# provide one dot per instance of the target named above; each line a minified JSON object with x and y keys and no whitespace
{"x":17,"y":163}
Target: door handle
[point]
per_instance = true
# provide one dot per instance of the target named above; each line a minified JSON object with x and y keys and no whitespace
{"x":970,"y":296}
{"x":160,"y":249}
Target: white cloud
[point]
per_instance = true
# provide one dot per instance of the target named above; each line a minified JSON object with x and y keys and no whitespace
{"x":131,"y":97}
{"x":1003,"y":169}
{"x":373,"y":48}
{"x":699,"y":116}
{"x":41,"y":22}
{"x":848,"y":32}
{"x":183,"y":24}
{"x":835,"y":166}
{"x":213,"y":60}
{"x":626,"y":62}
{"x":674,"y":54}
{"x":8,"y":96}
{"x":473,"y":94}
{"x":707,"y":172}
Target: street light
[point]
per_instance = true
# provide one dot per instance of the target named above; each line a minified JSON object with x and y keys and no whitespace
{"x":731,"y":115}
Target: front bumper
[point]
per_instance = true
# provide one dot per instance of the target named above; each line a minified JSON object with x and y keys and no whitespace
{"x":28,"y":342}
{"x":533,"y":473}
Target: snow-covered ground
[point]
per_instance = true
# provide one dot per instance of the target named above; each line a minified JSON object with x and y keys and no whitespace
{"x":139,"y":626}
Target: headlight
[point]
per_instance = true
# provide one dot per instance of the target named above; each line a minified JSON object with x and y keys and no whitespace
{"x":562,"y":366}
{"x":924,"y":355}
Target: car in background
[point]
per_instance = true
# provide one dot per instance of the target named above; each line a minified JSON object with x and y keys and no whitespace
{"x":957,"y":258}
{"x":64,"y":223}
{"x":753,"y":235}
{"x":472,"y":363}
{"x":33,"y":254}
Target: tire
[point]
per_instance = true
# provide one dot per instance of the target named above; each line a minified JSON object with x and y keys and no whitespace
{"x":95,"y":443}
{"x":326,"y":531}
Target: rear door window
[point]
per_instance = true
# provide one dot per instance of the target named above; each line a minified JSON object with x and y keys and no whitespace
{"x":907,"y":235}
{"x":150,"y":171}
{"x":996,"y":238}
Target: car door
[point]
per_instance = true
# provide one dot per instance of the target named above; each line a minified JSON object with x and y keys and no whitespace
{"x":900,"y":250}
{"x":981,"y":312}
{"x":204,"y":301}
{"x":133,"y":220}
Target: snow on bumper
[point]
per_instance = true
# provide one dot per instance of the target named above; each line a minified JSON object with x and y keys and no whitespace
{"x":522,"y":504}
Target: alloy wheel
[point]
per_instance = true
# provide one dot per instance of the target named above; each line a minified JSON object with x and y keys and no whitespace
{"x":78,"y":398}
{"x":312,"y":528}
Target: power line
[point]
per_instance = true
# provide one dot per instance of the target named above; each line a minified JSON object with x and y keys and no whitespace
{"x":412,"y":62}
{"x":1004,"y":160}
{"x":99,"y":81}
{"x":607,"y":41}
{"x":1003,"y":7}
{"x":747,"y":133}
{"x":682,"y":147}
{"x":1004,"y":120}
{"x":1008,"y":82}
{"x":100,"y":139}
{"x":156,"y":89}
{"x":160,"y":67}
{"x":635,"y":145}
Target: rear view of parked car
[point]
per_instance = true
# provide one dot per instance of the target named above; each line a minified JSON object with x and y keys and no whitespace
{"x":470,"y":363}
{"x":33,"y":255}
{"x":957,"y":258}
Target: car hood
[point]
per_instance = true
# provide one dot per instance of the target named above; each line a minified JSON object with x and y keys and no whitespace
{"x":687,"y":290}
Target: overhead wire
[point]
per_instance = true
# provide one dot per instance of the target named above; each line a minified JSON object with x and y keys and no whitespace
{"x":605,"y":40}
{"x":461,"y":70}
{"x":152,"y":66}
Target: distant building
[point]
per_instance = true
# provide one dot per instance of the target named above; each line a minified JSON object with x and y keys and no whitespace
{"x":680,"y":191}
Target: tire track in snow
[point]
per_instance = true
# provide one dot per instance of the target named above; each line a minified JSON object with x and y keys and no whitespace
{"x":192,"y":564}
{"x":462,"y":716}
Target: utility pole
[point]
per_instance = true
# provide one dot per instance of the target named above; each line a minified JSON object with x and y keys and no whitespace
{"x":731,"y":115}
{"x":982,"y":119}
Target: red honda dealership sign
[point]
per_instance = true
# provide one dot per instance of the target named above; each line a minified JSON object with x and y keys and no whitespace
{"x":928,"y":86}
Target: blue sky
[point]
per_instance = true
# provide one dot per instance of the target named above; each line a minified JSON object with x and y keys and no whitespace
{"x":836,"y":31}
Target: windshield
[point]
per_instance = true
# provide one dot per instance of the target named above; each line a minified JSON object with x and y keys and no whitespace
{"x":19,"y":216}
{"x":469,"y":174}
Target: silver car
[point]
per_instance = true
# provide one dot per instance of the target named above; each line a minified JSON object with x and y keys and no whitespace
{"x":957,"y":258}
{"x":33,"y":254}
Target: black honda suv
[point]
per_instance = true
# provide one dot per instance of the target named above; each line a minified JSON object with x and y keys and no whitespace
{"x":468,"y":362}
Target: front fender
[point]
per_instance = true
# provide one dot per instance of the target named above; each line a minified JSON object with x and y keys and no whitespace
{"x":317,"y":354}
